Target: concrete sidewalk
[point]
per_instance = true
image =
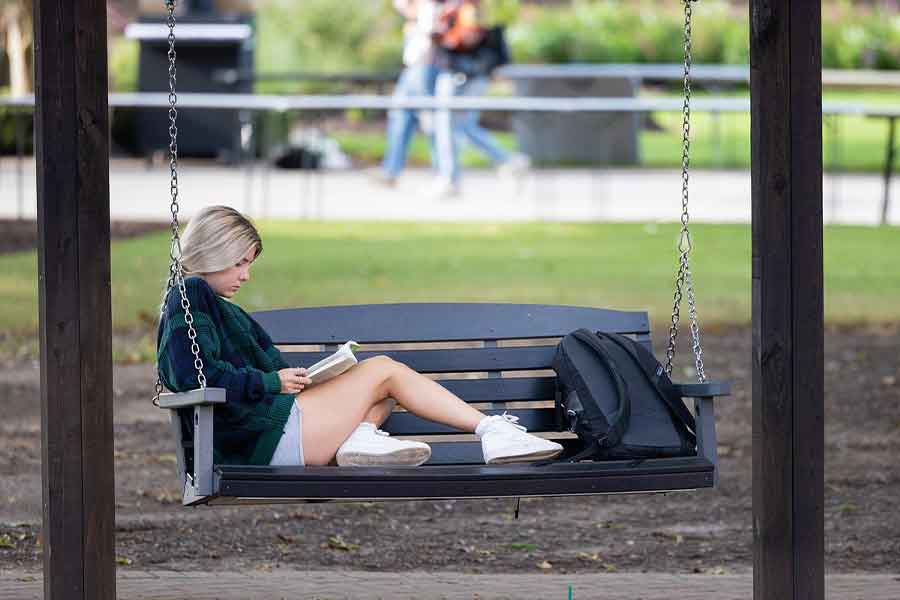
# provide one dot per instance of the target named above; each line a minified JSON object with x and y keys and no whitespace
{"x":553,"y":195}
{"x":289,"y":584}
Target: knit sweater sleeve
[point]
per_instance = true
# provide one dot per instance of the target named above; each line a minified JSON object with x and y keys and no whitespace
{"x":243,"y":385}
{"x":265,"y":342}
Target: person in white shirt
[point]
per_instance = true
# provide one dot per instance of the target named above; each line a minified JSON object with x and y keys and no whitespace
{"x":463,"y":72}
{"x":417,"y":79}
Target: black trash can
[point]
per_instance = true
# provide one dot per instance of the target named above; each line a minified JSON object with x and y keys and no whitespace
{"x":207,"y":45}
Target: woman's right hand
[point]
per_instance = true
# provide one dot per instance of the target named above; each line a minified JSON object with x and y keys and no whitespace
{"x":293,"y":380}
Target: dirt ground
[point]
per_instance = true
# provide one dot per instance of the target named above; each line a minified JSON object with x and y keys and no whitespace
{"x":706,"y":531}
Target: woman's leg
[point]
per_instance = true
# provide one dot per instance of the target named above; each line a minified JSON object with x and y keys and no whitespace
{"x":446,"y":152}
{"x":379,"y":413}
{"x":413,"y":81}
{"x":467,"y":124}
{"x":333,"y":410}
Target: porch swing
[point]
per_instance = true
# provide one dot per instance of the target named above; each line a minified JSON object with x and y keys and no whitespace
{"x":455,"y":469}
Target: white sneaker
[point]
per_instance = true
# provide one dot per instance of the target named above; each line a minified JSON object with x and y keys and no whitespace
{"x":379,"y":177}
{"x":502,"y":441}
{"x":444,"y":189}
{"x":517,"y":164}
{"x":368,"y":446}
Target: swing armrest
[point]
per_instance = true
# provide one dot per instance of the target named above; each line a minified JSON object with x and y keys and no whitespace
{"x":199,"y":483}
{"x":703,"y":390}
{"x":199,"y":397}
{"x":704,"y":415}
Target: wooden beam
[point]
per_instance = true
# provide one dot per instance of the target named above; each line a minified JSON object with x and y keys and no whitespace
{"x":72,"y":156}
{"x":788,"y":371}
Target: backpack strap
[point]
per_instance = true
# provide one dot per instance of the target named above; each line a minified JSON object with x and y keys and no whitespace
{"x":652,"y":374}
{"x":618,"y":423}
{"x":587,"y":452}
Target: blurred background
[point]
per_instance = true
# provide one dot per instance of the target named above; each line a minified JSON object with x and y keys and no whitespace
{"x":354,"y":46}
{"x":601,"y":193}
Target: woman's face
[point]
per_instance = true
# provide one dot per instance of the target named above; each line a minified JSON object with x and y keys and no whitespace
{"x":227,"y":282}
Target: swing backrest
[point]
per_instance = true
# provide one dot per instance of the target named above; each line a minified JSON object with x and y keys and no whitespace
{"x":496,"y":356}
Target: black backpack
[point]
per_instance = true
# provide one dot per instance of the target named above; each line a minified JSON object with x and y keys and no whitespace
{"x":617,"y":398}
{"x":480,"y":61}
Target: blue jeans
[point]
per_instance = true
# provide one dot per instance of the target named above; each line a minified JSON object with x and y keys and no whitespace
{"x":414,"y":81}
{"x":452,"y":128}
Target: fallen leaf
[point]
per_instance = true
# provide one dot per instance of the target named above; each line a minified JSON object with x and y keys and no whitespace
{"x":301,"y":515}
{"x":595,"y":557}
{"x":288,"y":539}
{"x":338,"y":543}
{"x":166,"y":459}
{"x":675,"y":537}
{"x":125,"y":562}
{"x":545,"y":565}
{"x":6,"y":541}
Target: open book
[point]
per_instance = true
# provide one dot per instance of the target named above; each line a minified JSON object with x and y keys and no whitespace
{"x":333,"y":365}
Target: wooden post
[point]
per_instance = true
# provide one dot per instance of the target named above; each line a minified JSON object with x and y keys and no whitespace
{"x":888,"y":168}
{"x":788,"y":371}
{"x":72,"y":156}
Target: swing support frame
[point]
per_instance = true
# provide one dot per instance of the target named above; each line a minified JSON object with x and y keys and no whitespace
{"x":72,"y":164}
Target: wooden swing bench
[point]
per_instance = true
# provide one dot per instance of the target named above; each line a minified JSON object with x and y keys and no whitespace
{"x":493,"y":342}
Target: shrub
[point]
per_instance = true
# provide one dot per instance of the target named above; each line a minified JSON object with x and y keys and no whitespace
{"x":326,"y":36}
{"x":123,"y":65}
{"x":366,"y":35}
{"x":620,"y":31}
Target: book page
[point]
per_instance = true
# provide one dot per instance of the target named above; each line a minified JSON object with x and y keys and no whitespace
{"x":333,"y":365}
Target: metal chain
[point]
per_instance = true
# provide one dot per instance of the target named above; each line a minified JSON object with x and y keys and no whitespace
{"x":176,"y":271}
{"x":684,"y":280}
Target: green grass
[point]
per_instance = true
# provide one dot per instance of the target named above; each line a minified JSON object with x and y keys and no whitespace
{"x":850,"y":143}
{"x":627,"y":266}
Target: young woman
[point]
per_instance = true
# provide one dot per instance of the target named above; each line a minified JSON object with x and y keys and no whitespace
{"x":270,"y":416}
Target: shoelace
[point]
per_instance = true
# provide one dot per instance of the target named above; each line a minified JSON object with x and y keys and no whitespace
{"x":513,"y":420}
{"x":377,"y":431}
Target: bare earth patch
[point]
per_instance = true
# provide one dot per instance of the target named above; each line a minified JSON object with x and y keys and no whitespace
{"x":706,"y":531}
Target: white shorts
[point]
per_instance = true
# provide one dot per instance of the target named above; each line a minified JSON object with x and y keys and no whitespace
{"x":289,"y":451}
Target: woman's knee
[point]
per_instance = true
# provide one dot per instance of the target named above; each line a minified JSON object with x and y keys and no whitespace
{"x":383,"y":369}
{"x":381,"y":363}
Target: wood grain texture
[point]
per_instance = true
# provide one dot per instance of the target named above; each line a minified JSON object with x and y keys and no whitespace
{"x":788,"y":394}
{"x":72,"y":155}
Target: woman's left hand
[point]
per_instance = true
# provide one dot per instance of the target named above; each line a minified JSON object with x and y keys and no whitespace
{"x":293,"y":380}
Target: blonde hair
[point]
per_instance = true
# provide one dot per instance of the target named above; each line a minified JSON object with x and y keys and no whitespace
{"x":217,"y":238}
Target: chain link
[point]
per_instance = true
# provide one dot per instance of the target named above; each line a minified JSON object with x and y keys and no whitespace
{"x":176,"y":271}
{"x":684,"y":281}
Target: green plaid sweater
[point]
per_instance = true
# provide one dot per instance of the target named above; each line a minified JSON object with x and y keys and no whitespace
{"x":238,"y":355}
